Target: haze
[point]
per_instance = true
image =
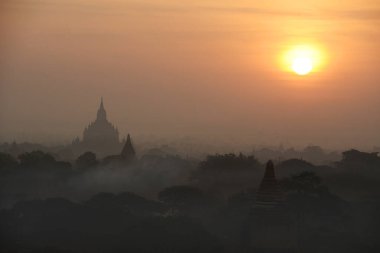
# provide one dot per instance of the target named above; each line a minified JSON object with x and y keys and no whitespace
{"x":190,"y":68}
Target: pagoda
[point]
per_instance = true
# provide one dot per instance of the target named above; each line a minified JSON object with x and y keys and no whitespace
{"x":272,"y":227}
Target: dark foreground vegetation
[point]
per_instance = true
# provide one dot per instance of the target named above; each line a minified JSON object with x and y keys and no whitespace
{"x":171,"y":204}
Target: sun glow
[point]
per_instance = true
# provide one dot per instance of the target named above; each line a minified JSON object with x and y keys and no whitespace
{"x":302,"y":60}
{"x":302,"y":65}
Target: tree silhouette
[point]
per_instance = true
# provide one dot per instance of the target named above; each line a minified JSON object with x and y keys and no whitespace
{"x":304,"y":183}
{"x":229,"y":162}
{"x":36,"y":159}
{"x":182,"y":196}
{"x":316,"y":208}
{"x":7,"y":163}
{"x":86,"y":160}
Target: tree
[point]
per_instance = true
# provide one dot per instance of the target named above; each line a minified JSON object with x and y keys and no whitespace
{"x":44,"y":162}
{"x":226,"y":174}
{"x":7,"y":161}
{"x":304,"y":183}
{"x":86,"y":160}
{"x":36,"y":159}
{"x":293,"y":166}
{"x":229,"y":162}
{"x":357,"y":161}
{"x":314,"y":204}
{"x":182,"y":196}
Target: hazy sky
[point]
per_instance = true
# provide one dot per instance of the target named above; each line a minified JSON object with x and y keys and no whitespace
{"x":191,"y":67}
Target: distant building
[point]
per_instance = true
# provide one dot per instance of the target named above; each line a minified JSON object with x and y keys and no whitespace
{"x":272,"y":228}
{"x":100,"y":136}
{"x":128,"y":153}
{"x":101,"y":131}
{"x":126,"y":156}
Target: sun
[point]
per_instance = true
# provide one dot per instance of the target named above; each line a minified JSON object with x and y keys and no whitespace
{"x":302,"y":59}
{"x":302,"y":65}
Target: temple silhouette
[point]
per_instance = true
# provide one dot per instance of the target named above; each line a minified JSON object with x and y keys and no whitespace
{"x":271,"y":228}
{"x":101,"y":131}
{"x":102,"y":138}
{"x":126,"y":156}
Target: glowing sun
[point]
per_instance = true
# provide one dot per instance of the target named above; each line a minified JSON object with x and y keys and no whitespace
{"x":303,"y":59}
{"x":302,"y":65}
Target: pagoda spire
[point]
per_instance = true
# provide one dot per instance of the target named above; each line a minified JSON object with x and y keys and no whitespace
{"x":272,"y":227}
{"x":101,"y":115}
{"x":269,"y":171}
{"x":128,"y":152}
{"x":269,"y":193}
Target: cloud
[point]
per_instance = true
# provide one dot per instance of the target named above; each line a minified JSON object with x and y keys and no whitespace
{"x":121,"y":8}
{"x":55,"y":5}
{"x":357,"y":14}
{"x":364,"y":14}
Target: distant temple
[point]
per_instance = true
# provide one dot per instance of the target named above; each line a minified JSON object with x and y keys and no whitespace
{"x":128,"y":153}
{"x":272,"y":228}
{"x":126,"y":156}
{"x":102,"y":138}
{"x":101,"y":131}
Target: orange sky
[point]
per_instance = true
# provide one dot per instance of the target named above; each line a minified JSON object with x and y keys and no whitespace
{"x":196,"y":68}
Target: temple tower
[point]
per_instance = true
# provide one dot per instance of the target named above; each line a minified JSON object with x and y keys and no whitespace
{"x":100,"y":136}
{"x":272,"y":226}
{"x":128,"y":153}
{"x":101,"y":115}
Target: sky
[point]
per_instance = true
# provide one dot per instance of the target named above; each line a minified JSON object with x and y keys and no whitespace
{"x":192,"y":68}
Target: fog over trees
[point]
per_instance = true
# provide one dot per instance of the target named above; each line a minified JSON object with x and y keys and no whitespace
{"x":167,"y":203}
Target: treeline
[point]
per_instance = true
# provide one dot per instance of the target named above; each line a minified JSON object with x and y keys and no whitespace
{"x":40,"y":174}
{"x":183,"y":219}
{"x":171,"y":204}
